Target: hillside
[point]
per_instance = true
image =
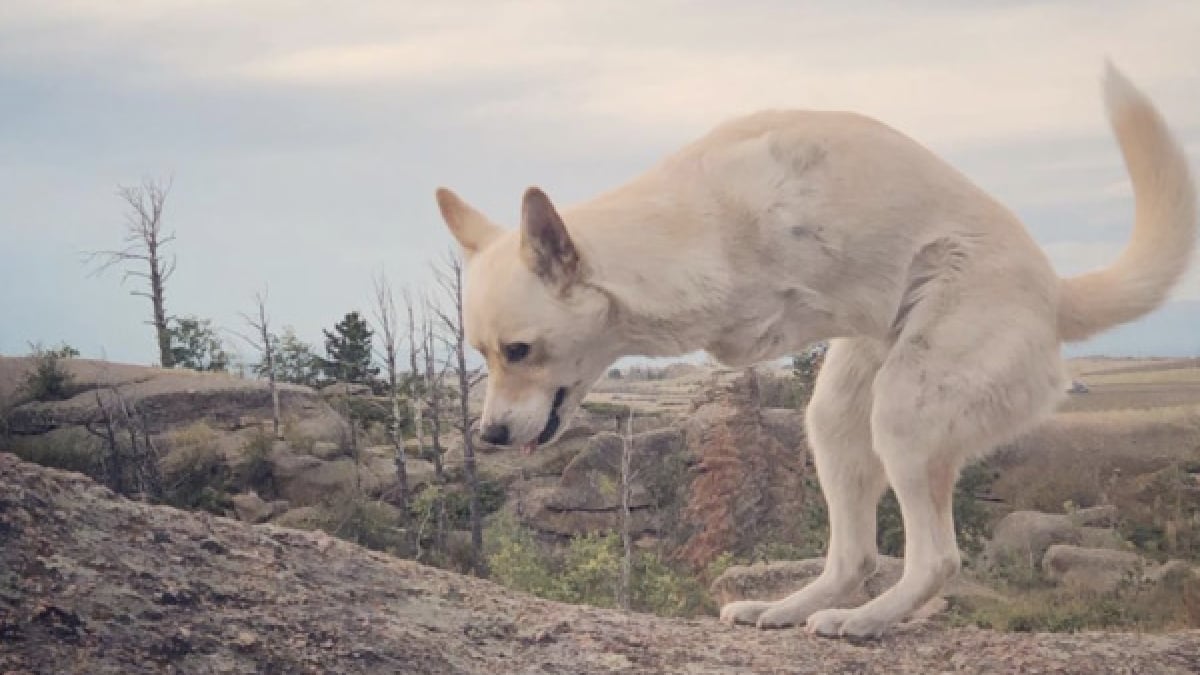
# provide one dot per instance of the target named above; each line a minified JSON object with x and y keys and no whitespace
{"x":93,"y":583}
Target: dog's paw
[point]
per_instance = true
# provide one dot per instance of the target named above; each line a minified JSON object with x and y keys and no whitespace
{"x":783,"y":616}
{"x":828,"y":622}
{"x":744,"y":612}
{"x":852,"y":624}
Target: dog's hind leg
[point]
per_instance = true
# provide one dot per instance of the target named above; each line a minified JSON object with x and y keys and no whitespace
{"x":934,"y":409}
{"x":852,"y":479}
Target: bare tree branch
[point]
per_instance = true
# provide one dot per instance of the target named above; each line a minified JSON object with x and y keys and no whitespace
{"x":146,"y":240}
{"x":387,"y":324}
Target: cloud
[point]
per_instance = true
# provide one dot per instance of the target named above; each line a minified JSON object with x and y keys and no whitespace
{"x":946,"y":72}
{"x":321,"y":132}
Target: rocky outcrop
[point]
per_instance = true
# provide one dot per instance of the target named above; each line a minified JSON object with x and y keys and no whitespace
{"x":93,"y":583}
{"x":587,"y":495}
{"x":251,"y":508}
{"x":1092,"y":569}
{"x":1021,"y":538}
{"x":168,"y":399}
{"x":1101,"y":570}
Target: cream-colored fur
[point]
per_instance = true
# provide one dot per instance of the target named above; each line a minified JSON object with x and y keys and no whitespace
{"x":783,"y":228}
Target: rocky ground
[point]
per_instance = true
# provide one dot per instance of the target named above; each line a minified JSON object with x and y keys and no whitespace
{"x":93,"y":583}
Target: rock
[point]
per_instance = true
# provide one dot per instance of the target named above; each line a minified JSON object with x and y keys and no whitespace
{"x":1101,"y":537}
{"x":327,"y":450}
{"x":587,"y":497}
{"x":167,"y":400}
{"x":82,"y":589}
{"x":245,"y":640}
{"x":1096,"y":516}
{"x":301,"y":518}
{"x":345,"y":389}
{"x":306,"y":480}
{"x":1022,"y":537}
{"x":250,"y":508}
{"x":1172,"y":569}
{"x":1093,"y":569}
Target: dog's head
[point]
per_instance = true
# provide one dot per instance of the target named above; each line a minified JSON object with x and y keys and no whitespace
{"x":530,"y":312}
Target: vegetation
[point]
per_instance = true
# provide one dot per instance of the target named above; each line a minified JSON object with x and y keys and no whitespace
{"x":194,"y":344}
{"x":348,"y":352}
{"x":1032,"y":605}
{"x":50,"y":380}
{"x":294,"y":360}
{"x":587,"y":571}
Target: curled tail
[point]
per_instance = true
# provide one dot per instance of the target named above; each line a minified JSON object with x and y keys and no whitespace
{"x":1164,"y":229}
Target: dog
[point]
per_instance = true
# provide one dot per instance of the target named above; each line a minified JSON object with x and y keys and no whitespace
{"x":783,"y":228}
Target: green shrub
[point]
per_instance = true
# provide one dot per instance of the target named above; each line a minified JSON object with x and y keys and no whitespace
{"x":588,"y":572}
{"x":194,"y":475}
{"x":1173,"y":603}
{"x":369,"y":523}
{"x":50,"y":380}
{"x":70,"y":450}
{"x":255,"y":471}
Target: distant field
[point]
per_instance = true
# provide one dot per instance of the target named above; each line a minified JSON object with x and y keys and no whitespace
{"x":1115,"y":384}
{"x":1134,"y":384}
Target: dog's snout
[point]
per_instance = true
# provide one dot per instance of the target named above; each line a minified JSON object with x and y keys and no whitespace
{"x":495,"y":434}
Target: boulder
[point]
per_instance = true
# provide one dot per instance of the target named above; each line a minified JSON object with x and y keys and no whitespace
{"x":587,"y":497}
{"x":326,"y":450}
{"x":1022,"y":537}
{"x":251,"y":508}
{"x":301,"y":518}
{"x":1092,"y":569}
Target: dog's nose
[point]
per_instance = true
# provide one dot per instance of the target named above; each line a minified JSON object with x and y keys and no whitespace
{"x":496,"y":434}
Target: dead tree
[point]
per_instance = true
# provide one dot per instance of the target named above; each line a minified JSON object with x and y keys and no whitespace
{"x":416,"y":390}
{"x":385,"y":316}
{"x":127,"y":469}
{"x":450,"y":278}
{"x":626,"y":515}
{"x":263,"y":341}
{"x":433,"y":385}
{"x":143,"y":253}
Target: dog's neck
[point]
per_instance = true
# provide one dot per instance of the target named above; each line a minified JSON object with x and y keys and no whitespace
{"x":658,"y":264}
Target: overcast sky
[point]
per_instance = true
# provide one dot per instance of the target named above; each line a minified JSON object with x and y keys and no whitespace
{"x":306,"y":138}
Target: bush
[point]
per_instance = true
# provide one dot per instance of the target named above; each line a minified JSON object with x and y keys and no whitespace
{"x":70,"y":450}
{"x":255,"y":470}
{"x":194,"y":475}
{"x":369,"y":523}
{"x":50,"y":380}
{"x":1173,"y":603}
{"x":588,"y":572}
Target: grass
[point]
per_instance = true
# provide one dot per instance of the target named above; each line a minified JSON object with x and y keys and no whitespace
{"x":1170,"y":605}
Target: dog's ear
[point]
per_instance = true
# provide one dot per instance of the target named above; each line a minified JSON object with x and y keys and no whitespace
{"x":471,"y":228}
{"x":546,"y":245}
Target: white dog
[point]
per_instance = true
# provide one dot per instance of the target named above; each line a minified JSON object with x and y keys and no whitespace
{"x":787,"y":227}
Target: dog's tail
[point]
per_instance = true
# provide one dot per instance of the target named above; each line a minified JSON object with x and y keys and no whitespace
{"x":1164,"y":229}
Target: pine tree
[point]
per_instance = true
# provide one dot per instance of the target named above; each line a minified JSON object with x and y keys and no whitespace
{"x":348,"y":351}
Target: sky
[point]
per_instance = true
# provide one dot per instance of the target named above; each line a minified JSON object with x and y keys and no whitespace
{"x":305,"y":139}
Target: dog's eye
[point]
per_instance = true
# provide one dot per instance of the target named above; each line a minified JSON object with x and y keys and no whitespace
{"x":515,"y":351}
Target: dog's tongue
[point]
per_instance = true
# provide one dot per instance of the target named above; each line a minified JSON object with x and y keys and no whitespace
{"x":528,"y":448}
